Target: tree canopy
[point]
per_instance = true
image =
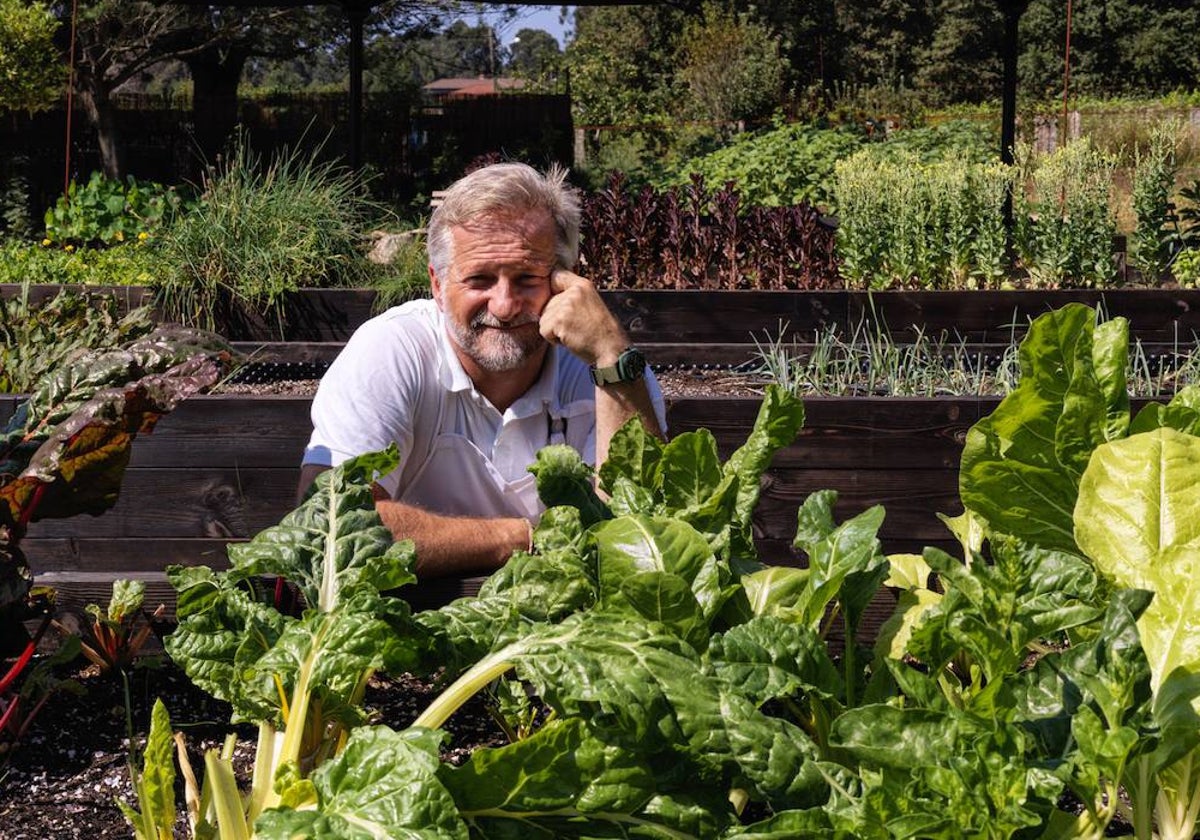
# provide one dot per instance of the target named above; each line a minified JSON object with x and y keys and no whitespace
{"x":31,"y":74}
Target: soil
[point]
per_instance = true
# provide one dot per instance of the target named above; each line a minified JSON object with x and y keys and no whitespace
{"x":64,"y":778}
{"x":675,"y":383}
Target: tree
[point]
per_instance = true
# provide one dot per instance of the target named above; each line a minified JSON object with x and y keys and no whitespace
{"x":118,"y":40}
{"x":731,"y":67}
{"x":622,"y":63}
{"x":534,"y":54}
{"x":31,"y":74}
{"x":882,"y":40}
{"x":966,"y":34}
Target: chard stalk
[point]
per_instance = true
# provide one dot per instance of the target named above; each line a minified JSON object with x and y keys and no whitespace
{"x":231,"y":820}
{"x":467,"y":686}
{"x":266,"y":760}
{"x":191,"y":789}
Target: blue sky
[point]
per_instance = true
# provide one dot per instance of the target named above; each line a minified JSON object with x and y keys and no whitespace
{"x":538,"y":17}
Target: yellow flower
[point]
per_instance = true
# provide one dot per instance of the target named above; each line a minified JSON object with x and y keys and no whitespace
{"x":46,"y":243}
{"x":68,"y":248}
{"x":120,"y":236}
{"x":143,"y":236}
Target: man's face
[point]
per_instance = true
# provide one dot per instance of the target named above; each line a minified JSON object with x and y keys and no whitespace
{"x":498,"y":283}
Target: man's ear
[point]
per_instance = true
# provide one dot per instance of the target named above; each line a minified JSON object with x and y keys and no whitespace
{"x":435,"y":288}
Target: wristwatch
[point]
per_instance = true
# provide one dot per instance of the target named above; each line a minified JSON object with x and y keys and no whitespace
{"x":630,"y":367}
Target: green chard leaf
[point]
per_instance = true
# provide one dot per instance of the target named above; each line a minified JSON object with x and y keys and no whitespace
{"x":337,"y":550}
{"x":1022,"y":464}
{"x":564,"y":479}
{"x":383,"y":785}
{"x":1137,"y":519}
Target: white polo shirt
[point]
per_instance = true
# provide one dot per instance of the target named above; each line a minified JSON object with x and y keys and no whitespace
{"x":398,"y":380}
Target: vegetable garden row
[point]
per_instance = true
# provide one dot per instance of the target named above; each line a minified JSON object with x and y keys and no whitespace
{"x":1035,"y":678}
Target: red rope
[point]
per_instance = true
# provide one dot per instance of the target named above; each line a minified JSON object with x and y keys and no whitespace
{"x":70,"y":92}
{"x":1067,"y":72}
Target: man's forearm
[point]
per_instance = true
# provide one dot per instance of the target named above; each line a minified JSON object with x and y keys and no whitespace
{"x":454,"y":545}
{"x":615,"y":405}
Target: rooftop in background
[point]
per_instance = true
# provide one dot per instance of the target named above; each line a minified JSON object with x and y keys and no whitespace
{"x":473,"y":86}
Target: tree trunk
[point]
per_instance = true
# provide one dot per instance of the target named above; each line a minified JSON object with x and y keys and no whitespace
{"x":102,"y":115}
{"x":215,"y":77}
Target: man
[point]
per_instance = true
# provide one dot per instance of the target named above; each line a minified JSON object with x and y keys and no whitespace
{"x":513,"y":352}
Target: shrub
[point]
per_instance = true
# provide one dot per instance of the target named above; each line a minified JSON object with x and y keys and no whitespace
{"x":904,"y":222}
{"x":261,"y":231}
{"x":1064,"y":225}
{"x":107,"y":211}
{"x":788,"y":165}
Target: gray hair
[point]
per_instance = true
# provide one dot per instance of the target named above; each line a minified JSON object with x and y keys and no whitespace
{"x":502,"y":189}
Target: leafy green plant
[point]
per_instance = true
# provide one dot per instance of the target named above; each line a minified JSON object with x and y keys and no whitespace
{"x":1098,"y":483}
{"x":1185,"y":268}
{"x":903,"y":222}
{"x":118,"y":632}
{"x":130,"y":265}
{"x":1064,"y":226}
{"x":261,"y":230}
{"x":38,"y":338}
{"x":108,"y":212}
{"x":1153,"y":238}
{"x":787,"y":165}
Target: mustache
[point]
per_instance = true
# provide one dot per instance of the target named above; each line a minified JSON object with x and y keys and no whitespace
{"x":485,"y":319}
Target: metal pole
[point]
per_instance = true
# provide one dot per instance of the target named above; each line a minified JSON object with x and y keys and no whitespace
{"x":356,"y":13}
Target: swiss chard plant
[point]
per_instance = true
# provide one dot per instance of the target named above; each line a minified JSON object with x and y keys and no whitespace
{"x":65,"y":449}
{"x":1026,"y":689}
{"x":1062,"y":465}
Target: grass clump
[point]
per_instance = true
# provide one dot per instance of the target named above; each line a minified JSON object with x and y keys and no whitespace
{"x":261,"y":230}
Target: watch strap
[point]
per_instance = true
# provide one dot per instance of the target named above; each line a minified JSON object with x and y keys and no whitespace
{"x":630,"y":366}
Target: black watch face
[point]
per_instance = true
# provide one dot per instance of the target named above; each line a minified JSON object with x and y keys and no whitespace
{"x":631,"y":365}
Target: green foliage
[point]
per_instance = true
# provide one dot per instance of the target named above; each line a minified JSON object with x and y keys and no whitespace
{"x":37,"y":338}
{"x":260,"y":231}
{"x":404,"y":278}
{"x":105,"y":211}
{"x":904,"y":222}
{"x":787,"y":165}
{"x":622,"y":63}
{"x":115,"y":639}
{"x":1061,"y":465}
{"x":1064,"y":226}
{"x":730,"y":67}
{"x":31,"y":73}
{"x":1153,"y":238}
{"x":1186,"y":268}
{"x":134,"y":264}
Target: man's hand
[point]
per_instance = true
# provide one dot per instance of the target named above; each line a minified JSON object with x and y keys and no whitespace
{"x":577,"y":318}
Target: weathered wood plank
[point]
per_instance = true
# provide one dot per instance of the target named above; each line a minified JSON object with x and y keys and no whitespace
{"x":912,"y":500}
{"x":878,"y":432}
{"x":218,"y":502}
{"x":1154,"y":314}
{"x":229,"y":431}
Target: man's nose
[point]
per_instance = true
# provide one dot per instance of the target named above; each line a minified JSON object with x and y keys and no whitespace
{"x":506,"y":301}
